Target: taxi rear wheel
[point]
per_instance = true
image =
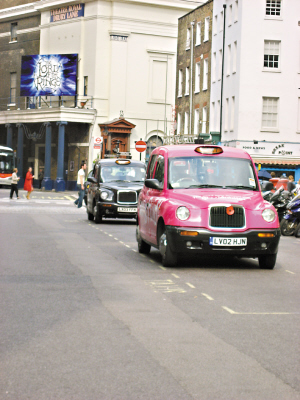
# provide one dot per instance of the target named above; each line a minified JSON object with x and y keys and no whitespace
{"x":169,"y":259}
{"x":143,"y":247}
{"x":267,"y":262}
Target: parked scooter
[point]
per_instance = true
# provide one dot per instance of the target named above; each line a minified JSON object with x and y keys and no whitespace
{"x":291,"y":220}
{"x":279,"y":200}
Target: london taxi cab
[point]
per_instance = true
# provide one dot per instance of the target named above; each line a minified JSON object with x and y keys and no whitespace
{"x":205,"y":199}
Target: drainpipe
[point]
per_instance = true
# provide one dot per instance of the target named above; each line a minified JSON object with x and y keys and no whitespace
{"x":222,"y":77}
{"x":191,"y":76}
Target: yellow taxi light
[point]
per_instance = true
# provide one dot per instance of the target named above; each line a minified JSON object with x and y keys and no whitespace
{"x":209,"y":150}
{"x":123,"y":162}
{"x":188,"y":233}
{"x":265,"y":235}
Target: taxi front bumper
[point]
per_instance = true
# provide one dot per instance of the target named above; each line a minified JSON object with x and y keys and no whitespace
{"x":115,"y":210}
{"x":251,"y":243}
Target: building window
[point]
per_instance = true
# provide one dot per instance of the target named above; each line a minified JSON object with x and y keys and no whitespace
{"x":232,"y":113}
{"x":13,"y":87}
{"x":212,"y":118}
{"x":188,"y":39}
{"x":186,"y":123}
{"x":216,"y":25}
{"x":236,"y":11}
{"x":230,"y":15}
{"x":197,"y":78}
{"x":85,"y":85}
{"x":178,"y":123}
{"x":196,"y":122}
{"x":228,"y":59}
{"x":187,"y":81}
{"x":205,"y":74}
{"x":206,"y":29}
{"x":271,"y":54}
{"x":204,"y":119}
{"x":221,"y":21}
{"x":234,"y":52}
{"x":214,"y":66}
{"x":220,"y":65}
{"x":273,"y":7}
{"x":180,"y":83}
{"x":13,"y":32}
{"x":198,"y":33}
{"x":270,"y":113}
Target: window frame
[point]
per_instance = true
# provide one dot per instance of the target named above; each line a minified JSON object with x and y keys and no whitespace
{"x":13,"y":32}
{"x":196,"y":121}
{"x":205,"y":74}
{"x":204,"y":119}
{"x":186,"y":123}
{"x":198,"y":33}
{"x":268,"y":5}
{"x":265,"y":127}
{"x":267,"y":53}
{"x":187,"y":81}
{"x":180,"y":83}
{"x":197,"y":77}
{"x":13,"y":89}
{"x":206,"y":29}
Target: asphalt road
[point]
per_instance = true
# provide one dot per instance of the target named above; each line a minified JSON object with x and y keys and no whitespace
{"x":85,"y":316}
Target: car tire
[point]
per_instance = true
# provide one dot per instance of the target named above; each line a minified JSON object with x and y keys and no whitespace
{"x":90,"y":216}
{"x":287,"y":227}
{"x":267,"y":262}
{"x":297,"y":231}
{"x":98,"y":216}
{"x":143,"y":247}
{"x":169,"y":259}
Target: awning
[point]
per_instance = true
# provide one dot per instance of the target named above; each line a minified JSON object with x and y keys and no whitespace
{"x":275,"y":162}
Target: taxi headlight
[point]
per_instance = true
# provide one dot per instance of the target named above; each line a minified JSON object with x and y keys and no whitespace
{"x":182,"y":213}
{"x":268,"y":215}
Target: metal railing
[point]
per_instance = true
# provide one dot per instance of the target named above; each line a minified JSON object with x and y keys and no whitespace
{"x":40,"y":102}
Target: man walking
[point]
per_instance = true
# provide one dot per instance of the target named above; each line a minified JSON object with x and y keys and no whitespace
{"x":80,"y":184}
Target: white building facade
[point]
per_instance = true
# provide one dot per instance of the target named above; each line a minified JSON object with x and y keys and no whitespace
{"x":127,"y":60}
{"x":261,"y":80}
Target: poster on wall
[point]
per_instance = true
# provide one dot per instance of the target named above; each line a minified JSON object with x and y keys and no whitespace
{"x":49,"y":75}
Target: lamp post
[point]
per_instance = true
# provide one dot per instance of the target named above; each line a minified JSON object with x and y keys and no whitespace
{"x":222,"y":77}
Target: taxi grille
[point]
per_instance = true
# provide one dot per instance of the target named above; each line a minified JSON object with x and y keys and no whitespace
{"x":127,"y":197}
{"x":220,"y":219}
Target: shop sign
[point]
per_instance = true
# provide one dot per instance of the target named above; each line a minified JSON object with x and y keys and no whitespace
{"x":284,"y":150}
{"x":69,"y":12}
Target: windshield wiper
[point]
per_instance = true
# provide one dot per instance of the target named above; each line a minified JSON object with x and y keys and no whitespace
{"x":240,"y":187}
{"x":205,"y":186}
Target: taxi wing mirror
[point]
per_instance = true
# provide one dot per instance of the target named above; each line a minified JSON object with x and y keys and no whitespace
{"x":92,"y":180}
{"x":153,"y":184}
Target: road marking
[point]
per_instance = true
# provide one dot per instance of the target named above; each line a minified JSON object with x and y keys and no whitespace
{"x":134,"y":250}
{"x":165,"y":286}
{"x":109,"y":235}
{"x":121,"y":242}
{"x":290,"y":272}
{"x":190,"y":285}
{"x":127,"y":246}
{"x":259,"y":313}
{"x":207,"y":296}
{"x":175,"y":276}
{"x":116,"y":238}
{"x":69,"y":198}
{"x":163,"y":268}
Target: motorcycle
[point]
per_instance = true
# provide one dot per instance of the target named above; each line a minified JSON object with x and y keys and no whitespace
{"x":279,"y":200}
{"x":291,"y":220}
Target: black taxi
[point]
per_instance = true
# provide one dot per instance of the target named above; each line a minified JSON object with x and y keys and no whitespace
{"x":114,"y":188}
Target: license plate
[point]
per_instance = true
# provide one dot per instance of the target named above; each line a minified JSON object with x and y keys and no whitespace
{"x":127,"y":210}
{"x":220,"y":241}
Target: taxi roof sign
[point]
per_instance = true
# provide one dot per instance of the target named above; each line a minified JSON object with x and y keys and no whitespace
{"x":209,"y":150}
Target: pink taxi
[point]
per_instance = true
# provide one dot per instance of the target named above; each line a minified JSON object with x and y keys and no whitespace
{"x":204,"y":199}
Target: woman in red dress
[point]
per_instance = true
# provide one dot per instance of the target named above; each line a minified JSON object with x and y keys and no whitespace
{"x":28,"y":184}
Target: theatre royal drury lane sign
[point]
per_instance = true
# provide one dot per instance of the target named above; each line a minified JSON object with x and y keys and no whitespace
{"x":69,"y":12}
{"x":270,"y":149}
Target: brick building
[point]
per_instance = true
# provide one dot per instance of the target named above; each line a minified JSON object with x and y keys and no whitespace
{"x":193,"y":77}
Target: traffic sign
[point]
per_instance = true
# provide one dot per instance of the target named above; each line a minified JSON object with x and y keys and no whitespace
{"x":140,"y":146}
{"x":98,"y":140}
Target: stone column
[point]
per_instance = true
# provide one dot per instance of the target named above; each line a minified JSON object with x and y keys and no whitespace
{"x":47,"y":183}
{"x":60,"y":184}
{"x":20,"y":154}
{"x":9,"y":135}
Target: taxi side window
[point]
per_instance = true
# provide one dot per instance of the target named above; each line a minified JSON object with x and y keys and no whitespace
{"x":151,"y":166}
{"x":159,"y":171}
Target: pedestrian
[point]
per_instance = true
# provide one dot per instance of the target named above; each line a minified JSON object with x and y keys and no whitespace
{"x":28,"y":184}
{"x":80,"y":184}
{"x":41,"y":177}
{"x":273,"y":174}
{"x":14,"y":184}
{"x":291,"y":186}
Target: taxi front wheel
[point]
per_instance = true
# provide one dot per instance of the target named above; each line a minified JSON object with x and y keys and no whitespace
{"x":267,"y":262}
{"x":169,"y":259}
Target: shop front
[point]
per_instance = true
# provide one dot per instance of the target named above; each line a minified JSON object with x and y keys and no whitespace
{"x":278,"y":157}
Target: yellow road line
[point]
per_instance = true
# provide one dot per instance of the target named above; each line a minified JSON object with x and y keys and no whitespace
{"x":290,"y":272}
{"x":207,"y":296}
{"x":163,"y":268}
{"x":175,"y":276}
{"x":258,"y":313}
{"x":190,"y":285}
{"x":67,"y":197}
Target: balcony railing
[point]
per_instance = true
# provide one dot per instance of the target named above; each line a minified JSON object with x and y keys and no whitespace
{"x":42,"y":102}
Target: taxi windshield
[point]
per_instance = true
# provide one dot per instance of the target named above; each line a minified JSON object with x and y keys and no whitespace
{"x":211,"y":172}
{"x":126,"y":173}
